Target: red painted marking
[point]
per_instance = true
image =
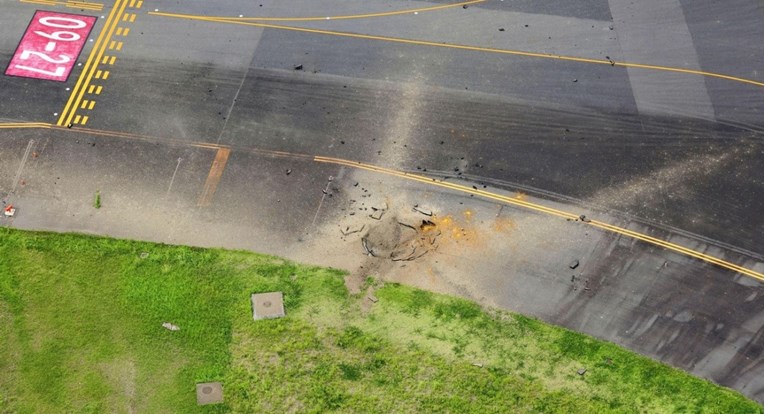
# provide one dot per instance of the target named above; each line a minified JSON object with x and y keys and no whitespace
{"x":50,"y":46}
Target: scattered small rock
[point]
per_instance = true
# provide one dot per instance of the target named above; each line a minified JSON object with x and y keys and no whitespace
{"x":581,"y":371}
{"x":478,"y":364}
{"x":584,"y":218}
{"x":289,"y":171}
{"x":372,"y":298}
{"x":574,"y":264}
{"x":501,"y":29}
{"x":352,"y":229}
{"x":170,"y":326}
{"x":299,"y":67}
{"x":422,"y":210}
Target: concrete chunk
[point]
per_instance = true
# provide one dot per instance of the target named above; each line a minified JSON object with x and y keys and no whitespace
{"x":209,"y":393}
{"x":267,"y":305}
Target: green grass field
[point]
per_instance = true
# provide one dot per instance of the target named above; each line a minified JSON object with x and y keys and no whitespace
{"x":80,"y":332}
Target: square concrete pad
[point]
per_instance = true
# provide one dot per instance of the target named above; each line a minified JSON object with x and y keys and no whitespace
{"x":209,"y":393}
{"x":267,"y":305}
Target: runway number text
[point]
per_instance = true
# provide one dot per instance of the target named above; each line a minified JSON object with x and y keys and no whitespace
{"x":50,"y":46}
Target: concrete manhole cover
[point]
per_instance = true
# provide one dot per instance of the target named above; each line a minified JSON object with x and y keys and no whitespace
{"x":209,"y":393}
{"x":267,"y":305}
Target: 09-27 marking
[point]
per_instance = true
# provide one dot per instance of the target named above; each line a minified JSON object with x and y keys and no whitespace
{"x":50,"y":46}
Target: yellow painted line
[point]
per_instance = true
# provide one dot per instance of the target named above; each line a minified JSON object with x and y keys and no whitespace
{"x":106,"y":58}
{"x":98,"y":74}
{"x":119,"y":45}
{"x":148,"y":138}
{"x":466,"y":47}
{"x":112,"y":44}
{"x":112,"y":60}
{"x":91,"y":88}
{"x":548,"y":210}
{"x":218,"y":170}
{"x":127,"y":30}
{"x":84,"y":104}
{"x":76,"y":5}
{"x":84,"y":120}
{"x":125,"y":17}
{"x":86,"y":4}
{"x":351,"y":16}
{"x":98,"y":89}
{"x":106,"y":75}
{"x":213,"y":177}
{"x":132,"y":3}
{"x":14,"y":125}
{"x":119,"y":31}
{"x":140,"y":3}
{"x":78,"y":88}
{"x":81,"y":6}
{"x":47,"y":3}
{"x":91,"y":105}
{"x":77,"y":119}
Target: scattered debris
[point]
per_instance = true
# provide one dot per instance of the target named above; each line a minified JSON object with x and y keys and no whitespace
{"x":501,"y":29}
{"x":584,"y":218}
{"x":144,"y":255}
{"x":352,"y":229}
{"x":377,"y":214}
{"x":170,"y":326}
{"x":581,"y":371}
{"x":464,"y":6}
{"x":298,"y":67}
{"x":372,"y":298}
{"x":574,"y":264}
{"x":366,"y":247}
{"x":9,"y":210}
{"x":289,"y":171}
{"x":575,"y":80}
{"x":422,"y":210}
{"x":478,"y":364}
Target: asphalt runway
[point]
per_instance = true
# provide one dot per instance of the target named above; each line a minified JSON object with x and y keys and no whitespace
{"x":206,"y":131}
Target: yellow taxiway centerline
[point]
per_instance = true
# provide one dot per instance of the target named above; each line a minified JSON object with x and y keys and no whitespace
{"x":465,"y":47}
{"x":548,"y":210}
{"x":350,"y":16}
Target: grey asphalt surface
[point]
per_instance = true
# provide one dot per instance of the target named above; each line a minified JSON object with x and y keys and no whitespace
{"x":677,"y":156}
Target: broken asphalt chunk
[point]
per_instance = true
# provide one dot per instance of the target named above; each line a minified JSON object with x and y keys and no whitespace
{"x":422,"y":210}
{"x":377,"y":214}
{"x":351,"y":229}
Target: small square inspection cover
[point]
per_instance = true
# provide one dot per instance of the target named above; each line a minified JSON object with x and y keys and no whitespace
{"x":267,"y":305}
{"x":209,"y":393}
